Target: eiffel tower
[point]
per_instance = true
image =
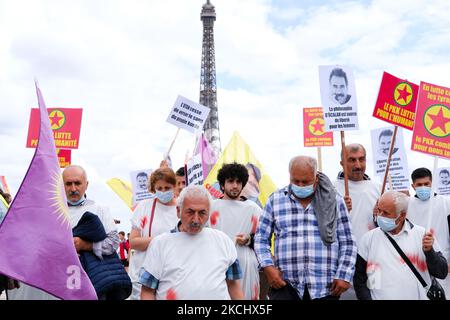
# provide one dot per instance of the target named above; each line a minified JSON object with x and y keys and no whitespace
{"x":208,"y":87}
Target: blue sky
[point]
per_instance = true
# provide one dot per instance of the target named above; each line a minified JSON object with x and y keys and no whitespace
{"x":125,"y":62}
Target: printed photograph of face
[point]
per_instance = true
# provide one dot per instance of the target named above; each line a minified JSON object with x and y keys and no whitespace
{"x":339,"y":86}
{"x":444,"y":177}
{"x":142,"y":180}
{"x":251,"y":190}
{"x":384,"y":142}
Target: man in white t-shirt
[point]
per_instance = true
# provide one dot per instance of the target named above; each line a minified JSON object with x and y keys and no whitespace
{"x":363,"y":192}
{"x":437,"y":219}
{"x":238,"y":219}
{"x":381,"y":273}
{"x":196,"y":264}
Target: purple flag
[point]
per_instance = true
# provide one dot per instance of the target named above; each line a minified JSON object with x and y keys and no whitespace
{"x":36,"y":244}
{"x":209,"y":157}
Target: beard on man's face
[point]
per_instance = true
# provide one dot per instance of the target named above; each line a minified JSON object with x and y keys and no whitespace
{"x":233,"y":193}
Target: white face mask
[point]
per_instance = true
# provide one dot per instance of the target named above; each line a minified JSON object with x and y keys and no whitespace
{"x":164,"y":197}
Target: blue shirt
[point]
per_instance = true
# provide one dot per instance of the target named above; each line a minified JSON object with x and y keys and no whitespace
{"x":299,"y":251}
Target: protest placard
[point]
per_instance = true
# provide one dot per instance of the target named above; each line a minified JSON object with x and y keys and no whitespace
{"x":64,"y":157}
{"x":3,"y":185}
{"x":188,"y":115}
{"x":65,"y":124}
{"x":398,"y":168}
{"x":431,"y":132}
{"x":314,"y":134}
{"x":140,"y":180}
{"x":195,"y":170}
{"x":338,"y":96}
{"x":396,"y":102}
{"x":442,"y":180}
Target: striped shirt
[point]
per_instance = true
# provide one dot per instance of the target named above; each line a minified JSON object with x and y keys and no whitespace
{"x":299,"y":251}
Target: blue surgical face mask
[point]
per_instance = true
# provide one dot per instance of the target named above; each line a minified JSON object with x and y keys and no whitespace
{"x":76,"y":203}
{"x":423,"y":193}
{"x":164,"y":197}
{"x":302,"y":192}
{"x":386,"y":224}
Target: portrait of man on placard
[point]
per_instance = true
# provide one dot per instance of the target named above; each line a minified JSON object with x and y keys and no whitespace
{"x":444,"y":177}
{"x":142,"y":181}
{"x":384,"y":142}
{"x":338,"y":84}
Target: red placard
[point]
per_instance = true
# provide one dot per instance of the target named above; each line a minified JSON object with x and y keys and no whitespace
{"x":396,"y":103}
{"x":65,"y":123}
{"x":64,"y":157}
{"x":314,"y":134}
{"x":431,"y":132}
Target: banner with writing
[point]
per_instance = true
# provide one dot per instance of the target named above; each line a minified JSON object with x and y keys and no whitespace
{"x":65,"y":124}
{"x":431,"y":132}
{"x":188,"y":115}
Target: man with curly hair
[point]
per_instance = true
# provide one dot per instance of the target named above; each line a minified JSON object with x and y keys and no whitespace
{"x":238,"y":219}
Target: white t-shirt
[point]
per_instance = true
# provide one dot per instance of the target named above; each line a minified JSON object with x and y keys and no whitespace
{"x":240,"y":217}
{"x":164,"y":220}
{"x":193,"y":267}
{"x":364,"y":195}
{"x":76,"y":212}
{"x":389,"y":277}
{"x":418,"y":214}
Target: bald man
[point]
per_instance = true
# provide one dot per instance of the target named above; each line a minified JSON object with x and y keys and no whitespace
{"x":381,"y":273}
{"x":315,"y":251}
{"x":75,"y":184}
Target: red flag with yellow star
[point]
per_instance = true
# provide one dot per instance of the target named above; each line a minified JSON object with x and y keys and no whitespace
{"x":431,"y":132}
{"x":396,"y":103}
{"x":65,"y":124}
{"x":314,"y":134}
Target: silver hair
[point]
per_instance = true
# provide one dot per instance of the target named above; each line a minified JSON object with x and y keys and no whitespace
{"x":401,"y":201}
{"x":78,"y":167}
{"x":304,"y":160}
{"x":193,"y":191}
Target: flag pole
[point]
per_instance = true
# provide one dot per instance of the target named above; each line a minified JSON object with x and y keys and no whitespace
{"x":388,"y":164}
{"x":344,"y":161}
{"x":171,"y":145}
{"x":186,"y":159}
{"x":433,"y":188}
{"x":319,"y":158}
